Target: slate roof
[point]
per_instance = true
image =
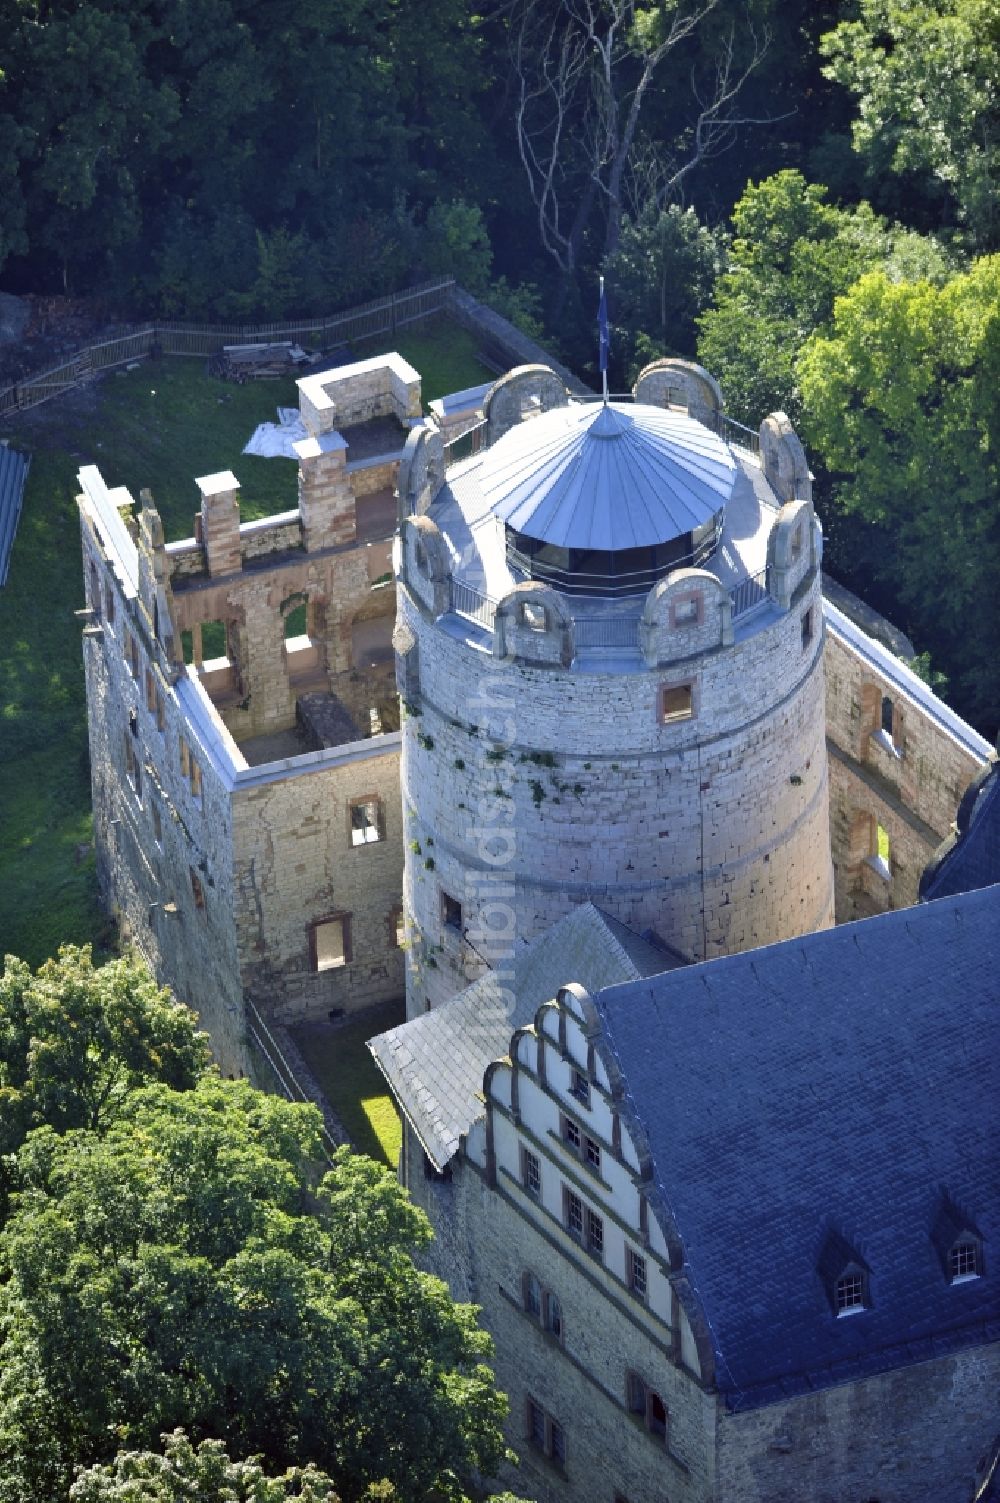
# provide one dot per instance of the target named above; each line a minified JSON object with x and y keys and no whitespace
{"x":435,"y":1064}
{"x":970,"y":858}
{"x":844,"y":1083}
{"x":608,"y":477}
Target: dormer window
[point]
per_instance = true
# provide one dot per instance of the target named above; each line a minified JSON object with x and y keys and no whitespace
{"x":580,"y":1087}
{"x":845,"y":1275}
{"x":963,"y":1261}
{"x":850,"y":1293}
{"x":958,"y":1241}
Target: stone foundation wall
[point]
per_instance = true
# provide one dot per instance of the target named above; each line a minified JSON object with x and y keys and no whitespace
{"x":914,"y":1435}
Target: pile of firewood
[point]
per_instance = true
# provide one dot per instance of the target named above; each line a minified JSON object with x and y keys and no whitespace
{"x":256,"y":362}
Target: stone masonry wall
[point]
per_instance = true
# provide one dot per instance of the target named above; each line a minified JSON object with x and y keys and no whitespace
{"x":914,"y":1435}
{"x":910,"y":783}
{"x":295,"y":864}
{"x":484,"y":1248}
{"x":150,"y":845}
{"x":713,"y":831}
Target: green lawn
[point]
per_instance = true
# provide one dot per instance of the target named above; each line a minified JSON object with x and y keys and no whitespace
{"x":351,"y":1082}
{"x":158,"y":426}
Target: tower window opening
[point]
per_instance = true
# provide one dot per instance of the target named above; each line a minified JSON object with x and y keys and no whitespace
{"x":534,"y":617}
{"x":887,"y":716}
{"x":676,"y":703}
{"x":686,"y":611}
{"x":451,"y":912}
{"x":807,"y":627}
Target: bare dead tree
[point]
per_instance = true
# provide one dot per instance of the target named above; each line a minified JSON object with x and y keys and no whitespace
{"x":583,"y":69}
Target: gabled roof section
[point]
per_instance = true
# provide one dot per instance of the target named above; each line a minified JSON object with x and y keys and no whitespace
{"x":838,"y":1080}
{"x":608,"y":477}
{"x":970,"y":858}
{"x":435,"y":1064}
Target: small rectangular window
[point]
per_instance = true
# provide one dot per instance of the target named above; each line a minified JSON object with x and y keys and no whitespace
{"x":807,"y":627}
{"x":573,"y":1210}
{"x":195,"y":779}
{"x":533,"y":616}
{"x":109,"y":603}
{"x":676,"y":703}
{"x":330,"y":944}
{"x":687,"y":610}
{"x":592,"y":1153}
{"x":133,"y":656}
{"x":557,"y":1442}
{"x":536,"y":1424}
{"x":963,"y":1261}
{"x":595,"y":1234}
{"x":635,"y":1272}
{"x":850,"y":1293}
{"x":531,"y":1172}
{"x":580,"y":1087}
{"x":366,"y":821}
{"x":150,"y":692}
{"x":532,"y":1291}
{"x":552,"y":1318}
{"x":571,"y":1134}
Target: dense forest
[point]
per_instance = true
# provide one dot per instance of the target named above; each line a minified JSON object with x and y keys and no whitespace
{"x":799,"y":193}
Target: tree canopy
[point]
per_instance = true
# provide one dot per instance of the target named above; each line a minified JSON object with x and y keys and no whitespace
{"x":187,"y":1267}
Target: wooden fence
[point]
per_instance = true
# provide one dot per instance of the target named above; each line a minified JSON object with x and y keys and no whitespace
{"x":383,"y":316}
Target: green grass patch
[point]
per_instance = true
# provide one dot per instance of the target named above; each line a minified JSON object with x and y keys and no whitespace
{"x":446,"y":355}
{"x":351,"y":1081}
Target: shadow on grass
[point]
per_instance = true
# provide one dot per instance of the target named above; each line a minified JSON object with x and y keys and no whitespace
{"x":350,"y":1080}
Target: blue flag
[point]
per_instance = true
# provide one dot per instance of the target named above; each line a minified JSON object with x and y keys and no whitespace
{"x":602,"y":324}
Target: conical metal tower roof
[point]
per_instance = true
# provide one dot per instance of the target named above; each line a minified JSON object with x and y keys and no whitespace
{"x":608,"y":477}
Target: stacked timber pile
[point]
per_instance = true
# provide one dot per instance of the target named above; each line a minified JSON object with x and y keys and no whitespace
{"x":255,"y":362}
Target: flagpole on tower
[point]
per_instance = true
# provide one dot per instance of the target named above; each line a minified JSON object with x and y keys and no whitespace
{"x":602,"y":325}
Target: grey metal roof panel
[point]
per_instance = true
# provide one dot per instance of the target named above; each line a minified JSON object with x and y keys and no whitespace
{"x":607,"y":477}
{"x":846,"y":1080}
{"x":435,"y":1064}
{"x":13,"y":473}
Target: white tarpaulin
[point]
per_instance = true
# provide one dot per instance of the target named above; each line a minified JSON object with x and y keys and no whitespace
{"x":271,"y":440}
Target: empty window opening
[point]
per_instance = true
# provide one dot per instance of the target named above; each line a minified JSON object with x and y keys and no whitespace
{"x":205,"y":641}
{"x":451,"y":912}
{"x":531,"y":1172}
{"x":532,"y":1291}
{"x":807,"y":627}
{"x":295,"y":622}
{"x":330,"y":944}
{"x":197,"y":890}
{"x":109,"y":603}
{"x":647,"y":1405}
{"x":366,"y":821}
{"x":552,"y":1317}
{"x":132,"y":652}
{"x":95,"y":590}
{"x":676,"y":703}
{"x":534,"y":616}
{"x":536,"y":1424}
{"x":635,"y":1272}
{"x":850,"y":1294}
{"x":887,"y":716}
{"x":963,"y":1261}
{"x":195,"y":779}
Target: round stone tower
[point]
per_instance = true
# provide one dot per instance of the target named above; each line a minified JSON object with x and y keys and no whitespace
{"x":609,"y":650}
